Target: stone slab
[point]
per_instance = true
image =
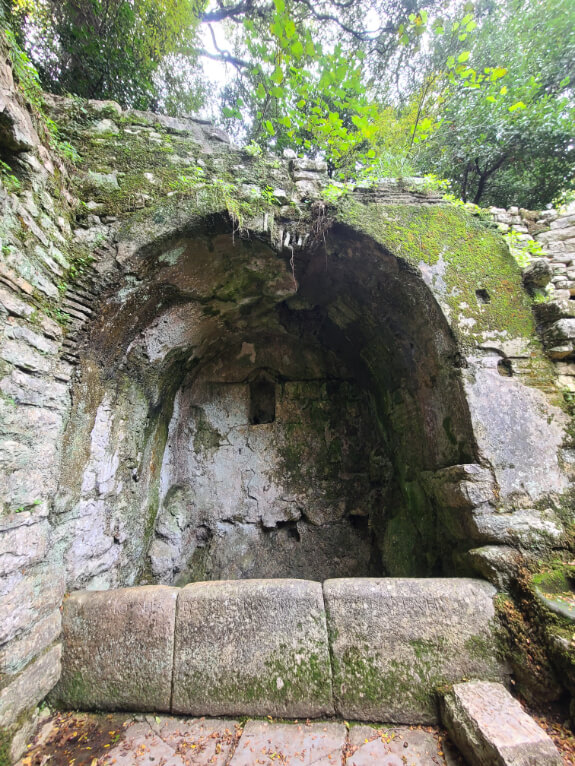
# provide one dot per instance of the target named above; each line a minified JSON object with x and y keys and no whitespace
{"x":264,"y":743}
{"x":395,"y":641}
{"x":252,"y":647}
{"x":491,"y":728}
{"x":392,"y":747}
{"x":30,"y":687}
{"x":118,"y":649}
{"x":173,"y":742}
{"x":16,"y":654}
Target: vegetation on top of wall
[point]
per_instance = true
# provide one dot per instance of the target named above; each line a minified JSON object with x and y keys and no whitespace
{"x":489,"y":103}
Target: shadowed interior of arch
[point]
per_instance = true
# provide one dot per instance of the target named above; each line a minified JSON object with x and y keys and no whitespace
{"x":276,"y":429}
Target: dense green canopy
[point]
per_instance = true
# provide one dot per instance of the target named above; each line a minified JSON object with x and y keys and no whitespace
{"x":479,"y":94}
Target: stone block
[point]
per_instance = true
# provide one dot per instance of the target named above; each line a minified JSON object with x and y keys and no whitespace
{"x":118,"y":649}
{"x":17,"y":133}
{"x":30,"y":687}
{"x":563,"y":222}
{"x":22,"y":546}
{"x":556,"y":235}
{"x":14,"y":305}
{"x":491,"y":728}
{"x":252,"y":647}
{"x":38,"y":392}
{"x":537,"y":274}
{"x":25,"y":358}
{"x":395,"y":641}
{"x":39,"y":342}
{"x":562,"y":330}
{"x":497,"y":563}
{"x":25,"y":599}
{"x":462,"y":487}
{"x":526,"y":527}
{"x":15,"y":655}
{"x":554,"y":310}
{"x":307,"y":165}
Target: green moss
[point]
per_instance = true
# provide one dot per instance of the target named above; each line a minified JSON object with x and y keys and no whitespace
{"x":522,"y":638}
{"x":472,"y":256}
{"x":480,"y":648}
{"x":207,"y":437}
{"x":75,"y":692}
{"x":5,"y":742}
{"x":360,"y":678}
{"x":448,"y":428}
{"x":212,"y":187}
{"x":292,"y":676}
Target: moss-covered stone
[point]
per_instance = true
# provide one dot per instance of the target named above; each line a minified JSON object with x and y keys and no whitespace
{"x":464,"y":256}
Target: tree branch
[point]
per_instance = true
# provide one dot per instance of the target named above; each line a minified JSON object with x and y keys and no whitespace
{"x":225,"y":58}
{"x":223,"y":55}
{"x":363,"y":36}
{"x":227,"y":13}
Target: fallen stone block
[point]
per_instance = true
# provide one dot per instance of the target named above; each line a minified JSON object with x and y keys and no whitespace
{"x":395,"y":641}
{"x":118,"y":649}
{"x":252,"y":647}
{"x":491,"y":728}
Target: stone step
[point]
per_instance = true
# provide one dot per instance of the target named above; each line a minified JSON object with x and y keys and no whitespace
{"x":365,"y":649}
{"x":491,"y":728}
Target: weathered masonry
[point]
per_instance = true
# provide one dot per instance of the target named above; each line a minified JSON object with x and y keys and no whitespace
{"x":210,"y":372}
{"x":366,"y":649}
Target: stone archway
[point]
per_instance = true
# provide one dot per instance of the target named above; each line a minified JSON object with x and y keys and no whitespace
{"x":173,"y":478}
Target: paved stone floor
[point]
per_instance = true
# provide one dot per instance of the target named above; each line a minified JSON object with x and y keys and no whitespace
{"x":77,"y":739}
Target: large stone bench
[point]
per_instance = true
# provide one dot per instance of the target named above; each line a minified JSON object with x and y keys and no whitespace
{"x":367,"y":649}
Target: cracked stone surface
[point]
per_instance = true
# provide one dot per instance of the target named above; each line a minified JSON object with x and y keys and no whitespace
{"x":175,"y":742}
{"x":394,"y":747}
{"x":320,"y":744}
{"x":148,"y":740}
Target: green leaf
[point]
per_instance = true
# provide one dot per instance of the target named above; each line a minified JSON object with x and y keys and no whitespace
{"x":280,"y":5}
{"x":518,"y":105}
{"x":289,"y":28}
{"x":269,"y":128}
{"x":464,"y":56}
{"x":261,"y":91}
{"x":498,"y":72}
{"x":297,"y":49}
{"x":278,"y":75}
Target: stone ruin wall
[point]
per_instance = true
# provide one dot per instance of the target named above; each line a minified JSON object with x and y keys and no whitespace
{"x":48,"y":545}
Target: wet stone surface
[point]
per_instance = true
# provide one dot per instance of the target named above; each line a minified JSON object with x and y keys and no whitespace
{"x":147,"y":740}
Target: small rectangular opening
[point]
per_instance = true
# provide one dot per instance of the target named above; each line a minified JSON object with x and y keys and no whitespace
{"x":262,"y":401}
